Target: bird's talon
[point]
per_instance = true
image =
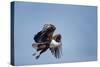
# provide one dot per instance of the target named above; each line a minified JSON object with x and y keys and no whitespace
{"x":37,"y":57}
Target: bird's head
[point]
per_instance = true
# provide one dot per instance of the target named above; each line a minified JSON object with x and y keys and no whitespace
{"x":57,"y":38}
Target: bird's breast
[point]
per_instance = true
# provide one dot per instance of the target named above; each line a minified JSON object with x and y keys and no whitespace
{"x":54,"y":44}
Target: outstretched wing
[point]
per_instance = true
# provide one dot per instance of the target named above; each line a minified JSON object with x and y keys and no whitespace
{"x":42,"y":36}
{"x":37,"y":36}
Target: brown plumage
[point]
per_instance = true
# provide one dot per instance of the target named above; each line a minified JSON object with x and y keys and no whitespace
{"x":43,"y":40}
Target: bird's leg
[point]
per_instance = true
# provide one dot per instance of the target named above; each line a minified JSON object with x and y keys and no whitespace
{"x":41,"y":48}
{"x":42,"y":51}
{"x":38,"y":54}
{"x":37,"y":48}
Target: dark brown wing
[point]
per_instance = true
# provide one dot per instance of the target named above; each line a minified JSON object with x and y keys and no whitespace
{"x":40,"y":37}
{"x":43,"y":35}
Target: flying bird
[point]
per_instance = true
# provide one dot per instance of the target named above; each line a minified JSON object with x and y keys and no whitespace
{"x":45,"y":40}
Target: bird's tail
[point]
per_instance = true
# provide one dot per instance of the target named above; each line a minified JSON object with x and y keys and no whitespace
{"x":57,"y":51}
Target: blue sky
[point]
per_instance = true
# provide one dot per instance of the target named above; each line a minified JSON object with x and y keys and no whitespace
{"x":76,"y":24}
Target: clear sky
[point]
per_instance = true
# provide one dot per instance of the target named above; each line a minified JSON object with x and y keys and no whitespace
{"x":76,"y":24}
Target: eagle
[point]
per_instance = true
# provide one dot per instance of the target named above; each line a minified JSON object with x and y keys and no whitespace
{"x":45,"y":40}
